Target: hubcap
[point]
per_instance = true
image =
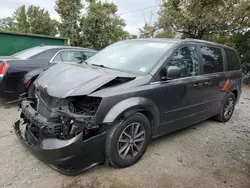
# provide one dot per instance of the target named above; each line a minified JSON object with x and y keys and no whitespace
{"x":229,"y":107}
{"x":131,"y":141}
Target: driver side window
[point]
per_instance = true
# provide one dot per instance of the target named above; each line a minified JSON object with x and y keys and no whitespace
{"x":186,"y":58}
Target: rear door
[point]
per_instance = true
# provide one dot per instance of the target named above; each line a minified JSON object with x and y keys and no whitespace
{"x":234,"y":70}
{"x":214,"y":78}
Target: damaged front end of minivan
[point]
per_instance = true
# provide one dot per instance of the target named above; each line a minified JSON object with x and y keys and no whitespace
{"x":58,"y":122}
{"x":60,"y":131}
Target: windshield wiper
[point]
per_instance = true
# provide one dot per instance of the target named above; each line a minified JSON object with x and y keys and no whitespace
{"x":102,"y":66}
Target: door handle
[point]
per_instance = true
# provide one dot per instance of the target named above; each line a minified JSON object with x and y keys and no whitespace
{"x":209,"y":83}
{"x":198,"y":85}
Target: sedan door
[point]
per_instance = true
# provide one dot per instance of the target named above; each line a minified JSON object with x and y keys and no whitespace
{"x":182,"y":97}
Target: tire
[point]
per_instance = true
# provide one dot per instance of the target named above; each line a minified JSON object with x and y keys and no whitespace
{"x":229,"y":100}
{"x":117,"y":140}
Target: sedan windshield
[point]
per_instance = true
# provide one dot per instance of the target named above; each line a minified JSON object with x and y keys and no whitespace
{"x":137,"y":56}
{"x":26,"y":54}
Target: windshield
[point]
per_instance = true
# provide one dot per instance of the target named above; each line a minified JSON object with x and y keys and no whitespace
{"x":132,"y":56}
{"x":25,"y":54}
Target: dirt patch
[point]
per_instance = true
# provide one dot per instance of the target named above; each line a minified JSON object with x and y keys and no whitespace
{"x":208,"y":154}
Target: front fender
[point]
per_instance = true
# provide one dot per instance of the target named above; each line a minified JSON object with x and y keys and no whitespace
{"x":132,"y":104}
{"x":33,"y":74}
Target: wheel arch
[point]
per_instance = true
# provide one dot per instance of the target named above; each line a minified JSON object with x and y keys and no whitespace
{"x":32,"y":75}
{"x":124,"y":109}
{"x":235,"y":92}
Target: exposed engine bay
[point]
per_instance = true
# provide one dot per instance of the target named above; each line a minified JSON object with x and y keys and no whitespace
{"x":48,"y":116}
{"x":62,"y":119}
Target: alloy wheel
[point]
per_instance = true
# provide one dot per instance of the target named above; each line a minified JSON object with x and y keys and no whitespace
{"x":229,"y":107}
{"x":131,"y":140}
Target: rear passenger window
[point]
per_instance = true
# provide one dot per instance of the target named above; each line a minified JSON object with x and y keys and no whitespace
{"x":212,"y":59}
{"x":233,"y":62}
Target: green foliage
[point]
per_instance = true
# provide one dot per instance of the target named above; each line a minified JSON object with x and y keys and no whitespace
{"x":101,"y":26}
{"x":150,"y":31}
{"x":7,"y":24}
{"x":222,"y":21}
{"x":20,"y":19}
{"x":70,"y":13}
{"x":133,"y":37}
{"x":95,"y":26}
{"x":241,"y":42}
{"x":39,"y":21}
{"x":33,"y":20}
{"x":201,"y":18}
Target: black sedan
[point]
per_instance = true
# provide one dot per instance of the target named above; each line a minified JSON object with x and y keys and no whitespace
{"x":17,"y":72}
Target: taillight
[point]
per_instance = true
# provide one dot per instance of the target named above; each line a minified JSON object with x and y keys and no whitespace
{"x":28,"y":84}
{"x":3,"y":68}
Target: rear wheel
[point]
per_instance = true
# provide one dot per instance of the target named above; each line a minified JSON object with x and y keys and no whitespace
{"x":127,"y":140}
{"x":227,"y":108}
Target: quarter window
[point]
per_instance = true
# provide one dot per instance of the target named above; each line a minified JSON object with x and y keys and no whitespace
{"x":233,"y":62}
{"x":212,"y":59}
{"x":187,"y":59}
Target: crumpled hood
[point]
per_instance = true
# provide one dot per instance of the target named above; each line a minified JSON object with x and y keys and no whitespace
{"x":63,"y":80}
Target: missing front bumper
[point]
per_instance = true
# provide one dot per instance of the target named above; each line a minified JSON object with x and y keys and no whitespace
{"x":69,"y":157}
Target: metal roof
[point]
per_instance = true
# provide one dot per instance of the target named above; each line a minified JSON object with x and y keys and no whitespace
{"x":33,"y":35}
{"x":47,"y":47}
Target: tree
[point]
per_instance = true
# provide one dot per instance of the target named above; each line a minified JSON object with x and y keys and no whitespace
{"x":148,"y":31}
{"x":101,"y":26}
{"x":39,"y":21}
{"x":20,"y":20}
{"x":69,"y":12}
{"x":223,"y":21}
{"x":241,"y":42}
{"x":151,"y":31}
{"x":201,"y":18}
{"x":7,"y":24}
{"x":33,"y":20}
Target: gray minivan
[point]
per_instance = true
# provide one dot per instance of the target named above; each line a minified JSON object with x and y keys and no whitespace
{"x":110,"y":107}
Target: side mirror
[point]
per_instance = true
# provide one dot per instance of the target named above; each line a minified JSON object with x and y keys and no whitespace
{"x":171,"y":72}
{"x":84,"y":57}
{"x":81,"y":59}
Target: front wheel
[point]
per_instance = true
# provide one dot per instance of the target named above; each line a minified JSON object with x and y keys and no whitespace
{"x":227,"y":108}
{"x":127,"y":140}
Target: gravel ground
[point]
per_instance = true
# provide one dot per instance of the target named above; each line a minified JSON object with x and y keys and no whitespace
{"x":206,"y":155}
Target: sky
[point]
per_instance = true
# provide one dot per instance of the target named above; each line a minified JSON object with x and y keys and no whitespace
{"x":134,"y":20}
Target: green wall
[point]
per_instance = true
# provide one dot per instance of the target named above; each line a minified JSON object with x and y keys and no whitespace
{"x":11,"y":43}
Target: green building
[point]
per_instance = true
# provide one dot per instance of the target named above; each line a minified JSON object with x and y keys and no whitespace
{"x":11,"y":43}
